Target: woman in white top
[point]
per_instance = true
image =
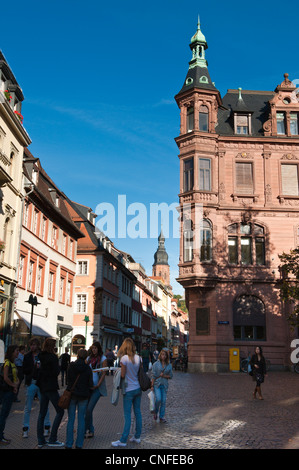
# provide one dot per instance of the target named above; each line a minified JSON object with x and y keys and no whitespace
{"x":129,"y":362}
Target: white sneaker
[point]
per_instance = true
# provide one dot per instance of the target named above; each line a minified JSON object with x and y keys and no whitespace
{"x":55,"y":444}
{"x":118,"y":444}
{"x":25,"y":433}
{"x":135,"y":439}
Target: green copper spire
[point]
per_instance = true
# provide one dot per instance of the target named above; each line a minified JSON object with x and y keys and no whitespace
{"x":198,"y":46}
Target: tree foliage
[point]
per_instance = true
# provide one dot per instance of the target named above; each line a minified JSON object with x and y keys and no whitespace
{"x":181,"y":303}
{"x":289,"y":286}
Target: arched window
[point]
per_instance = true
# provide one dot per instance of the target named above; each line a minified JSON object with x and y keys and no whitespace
{"x":249,"y":318}
{"x":188,"y":240}
{"x":78,"y":342}
{"x":205,"y":240}
{"x":190,"y":119}
{"x":204,"y":119}
{"x":246,"y":244}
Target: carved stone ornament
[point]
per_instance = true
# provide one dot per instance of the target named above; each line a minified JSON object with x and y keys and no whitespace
{"x":289,"y":156}
{"x":243,"y":155}
{"x":267,"y":126}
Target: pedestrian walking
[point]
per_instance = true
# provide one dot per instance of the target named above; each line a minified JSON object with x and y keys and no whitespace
{"x":155,"y":355}
{"x":115,"y":351}
{"x":65,"y":360}
{"x":161,"y":374}
{"x":258,"y":365}
{"x":48,"y":383}
{"x":80,"y":374}
{"x":19,"y":364}
{"x":110,"y":359}
{"x":130,"y":363}
{"x":31,"y":368}
{"x":95,"y":360}
{"x":9,"y":388}
{"x":146,"y":356}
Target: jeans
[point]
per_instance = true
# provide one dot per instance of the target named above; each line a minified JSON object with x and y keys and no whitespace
{"x":53,"y":397}
{"x":132,"y":398}
{"x":81,"y":406}
{"x":7,"y":399}
{"x":31,"y":391}
{"x":63,"y":375}
{"x":160,"y":395}
{"x":93,"y":400}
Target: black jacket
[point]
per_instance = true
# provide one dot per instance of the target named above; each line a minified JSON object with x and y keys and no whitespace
{"x":261,"y":365}
{"x":84,"y":382}
{"x":29,"y":369}
{"x":65,"y":359}
{"x":49,"y":371}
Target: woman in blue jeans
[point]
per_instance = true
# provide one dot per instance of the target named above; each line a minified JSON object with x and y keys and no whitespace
{"x":162,"y":373}
{"x":96,"y":360}
{"x":79,"y":376}
{"x":48,"y":384}
{"x":130,"y":363}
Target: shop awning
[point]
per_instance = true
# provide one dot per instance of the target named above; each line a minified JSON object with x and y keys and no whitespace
{"x":109,"y":330}
{"x":40,"y":325}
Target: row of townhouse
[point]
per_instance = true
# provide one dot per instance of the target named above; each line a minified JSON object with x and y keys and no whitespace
{"x":59,"y":275}
{"x":114,"y":296}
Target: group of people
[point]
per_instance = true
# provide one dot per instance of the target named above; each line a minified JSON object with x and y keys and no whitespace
{"x":41,"y":368}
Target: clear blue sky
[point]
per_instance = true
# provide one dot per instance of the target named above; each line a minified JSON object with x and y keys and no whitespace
{"x":99,"y":81}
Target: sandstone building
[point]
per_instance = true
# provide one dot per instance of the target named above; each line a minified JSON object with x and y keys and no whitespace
{"x":239,"y":157}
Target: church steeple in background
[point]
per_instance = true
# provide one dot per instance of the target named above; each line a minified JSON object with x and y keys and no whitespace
{"x":161,"y":266}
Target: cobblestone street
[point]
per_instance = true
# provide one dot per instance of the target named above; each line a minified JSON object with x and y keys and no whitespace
{"x":204,"y":411}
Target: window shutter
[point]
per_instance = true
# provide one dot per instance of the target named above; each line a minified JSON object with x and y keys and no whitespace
{"x":289,"y":177}
{"x":244,"y":179}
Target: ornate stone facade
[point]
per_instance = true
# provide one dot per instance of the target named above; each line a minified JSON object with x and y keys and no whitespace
{"x":239,"y":177}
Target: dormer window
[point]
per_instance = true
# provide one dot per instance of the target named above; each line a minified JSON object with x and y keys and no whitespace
{"x":281,"y":127}
{"x":242,"y":124}
{"x":294,"y":123}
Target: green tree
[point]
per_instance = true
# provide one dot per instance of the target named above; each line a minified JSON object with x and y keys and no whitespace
{"x":181,"y":302}
{"x":289,"y":285}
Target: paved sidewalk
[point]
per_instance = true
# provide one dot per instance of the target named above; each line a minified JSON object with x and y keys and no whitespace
{"x":204,"y":411}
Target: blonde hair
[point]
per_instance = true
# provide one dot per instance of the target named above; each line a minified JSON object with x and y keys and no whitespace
{"x":167,"y":355}
{"x":128,"y":347}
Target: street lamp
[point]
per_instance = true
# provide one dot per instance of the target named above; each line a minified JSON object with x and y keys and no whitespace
{"x":86,"y":319}
{"x":33,"y":302}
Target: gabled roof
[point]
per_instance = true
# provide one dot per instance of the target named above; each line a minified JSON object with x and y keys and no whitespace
{"x":43,"y":187}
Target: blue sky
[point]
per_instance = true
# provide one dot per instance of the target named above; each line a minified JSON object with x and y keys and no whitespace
{"x":99,"y":81}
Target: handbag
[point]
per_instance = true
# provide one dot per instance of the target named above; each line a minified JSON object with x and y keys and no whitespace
{"x":65,"y":399}
{"x":152,"y":400}
{"x":143,"y":378}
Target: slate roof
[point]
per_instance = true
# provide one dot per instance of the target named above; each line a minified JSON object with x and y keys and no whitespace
{"x":255,"y":102}
{"x":196,"y":73}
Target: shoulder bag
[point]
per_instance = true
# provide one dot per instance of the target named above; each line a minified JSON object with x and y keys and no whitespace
{"x":65,"y":399}
{"x":143,"y":378}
